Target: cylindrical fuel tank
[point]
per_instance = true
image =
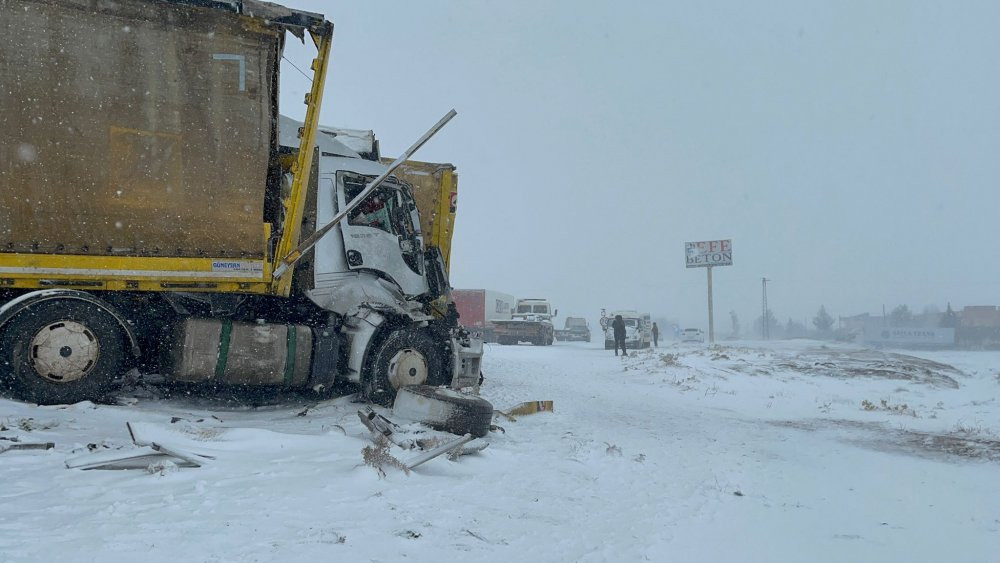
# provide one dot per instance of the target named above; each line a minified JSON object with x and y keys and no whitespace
{"x":235,"y":353}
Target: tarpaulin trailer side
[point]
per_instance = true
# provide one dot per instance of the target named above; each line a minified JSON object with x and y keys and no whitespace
{"x":134,"y":127}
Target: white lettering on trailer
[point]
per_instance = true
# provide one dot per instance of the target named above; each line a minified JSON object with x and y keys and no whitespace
{"x":243,"y":66}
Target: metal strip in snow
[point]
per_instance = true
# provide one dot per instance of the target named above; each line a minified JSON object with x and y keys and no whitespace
{"x":102,"y":272}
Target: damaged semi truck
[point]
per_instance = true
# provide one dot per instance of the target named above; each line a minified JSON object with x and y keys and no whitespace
{"x":154,"y":217}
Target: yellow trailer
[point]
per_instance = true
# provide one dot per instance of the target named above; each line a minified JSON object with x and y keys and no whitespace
{"x":435,"y":187}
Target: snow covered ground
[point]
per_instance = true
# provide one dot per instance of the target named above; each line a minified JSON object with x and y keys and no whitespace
{"x":788,"y":451}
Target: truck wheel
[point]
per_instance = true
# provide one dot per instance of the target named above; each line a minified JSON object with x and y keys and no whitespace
{"x":407,"y":357}
{"x":61,"y":351}
{"x":445,"y":409}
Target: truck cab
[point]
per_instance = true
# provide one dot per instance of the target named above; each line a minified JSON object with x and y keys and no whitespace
{"x":575,"y":329}
{"x":376,"y":272}
{"x":531,"y":321}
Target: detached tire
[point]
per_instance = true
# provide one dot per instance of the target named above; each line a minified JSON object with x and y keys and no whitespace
{"x":406,"y":357}
{"x":445,"y":409}
{"x":61,"y":351}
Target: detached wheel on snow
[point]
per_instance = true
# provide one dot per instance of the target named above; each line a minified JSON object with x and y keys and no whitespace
{"x":61,"y":351}
{"x":407,"y":357}
{"x":445,"y":409}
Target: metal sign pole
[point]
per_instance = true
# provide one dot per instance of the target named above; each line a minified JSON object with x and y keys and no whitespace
{"x":711,"y":317}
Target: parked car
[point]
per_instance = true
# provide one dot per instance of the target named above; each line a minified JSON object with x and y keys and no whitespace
{"x":692,"y":335}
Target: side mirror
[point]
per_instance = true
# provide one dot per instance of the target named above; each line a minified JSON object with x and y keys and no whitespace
{"x":555,"y":313}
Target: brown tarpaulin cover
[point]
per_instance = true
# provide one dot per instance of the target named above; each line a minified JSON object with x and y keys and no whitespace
{"x":134,"y":127}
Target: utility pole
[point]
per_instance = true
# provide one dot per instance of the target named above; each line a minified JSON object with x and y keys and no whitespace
{"x":765,"y":328}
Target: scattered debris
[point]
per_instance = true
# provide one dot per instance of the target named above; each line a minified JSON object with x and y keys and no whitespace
{"x":162,"y":467}
{"x":176,"y":419}
{"x":639,"y":458}
{"x":503,"y":414}
{"x":444,"y":409}
{"x":469,"y":448}
{"x":26,"y":446}
{"x":138,"y":458}
{"x":30,"y":424}
{"x":613,"y":450}
{"x":529,"y":407}
{"x":444,"y":448}
{"x":196,"y":460}
{"x":738,"y":493}
{"x":193,"y":459}
{"x":379,"y":425}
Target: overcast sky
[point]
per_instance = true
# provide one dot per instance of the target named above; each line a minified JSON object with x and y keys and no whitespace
{"x":848,"y":149}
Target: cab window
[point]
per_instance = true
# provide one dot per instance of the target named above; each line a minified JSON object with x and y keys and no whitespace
{"x":380,"y":210}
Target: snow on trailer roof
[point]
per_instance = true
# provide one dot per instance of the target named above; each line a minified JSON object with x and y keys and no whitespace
{"x":276,"y":14}
{"x":288,"y":136}
{"x":361,"y":141}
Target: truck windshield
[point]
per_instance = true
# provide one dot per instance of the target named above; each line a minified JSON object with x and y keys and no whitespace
{"x":541,"y":308}
{"x":383,"y":209}
{"x":524,"y":308}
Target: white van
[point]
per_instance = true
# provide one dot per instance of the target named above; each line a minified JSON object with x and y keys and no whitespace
{"x":638,"y":330}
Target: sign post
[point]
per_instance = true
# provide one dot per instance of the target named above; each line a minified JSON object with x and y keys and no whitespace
{"x":708,"y":254}
{"x":711,"y":315}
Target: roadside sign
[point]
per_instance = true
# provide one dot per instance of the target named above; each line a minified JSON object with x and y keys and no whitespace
{"x":709,"y":253}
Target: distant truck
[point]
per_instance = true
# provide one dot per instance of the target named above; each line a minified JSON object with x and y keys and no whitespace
{"x":575,"y":329}
{"x":530,"y":322}
{"x":479,"y":309}
{"x":638,"y":330}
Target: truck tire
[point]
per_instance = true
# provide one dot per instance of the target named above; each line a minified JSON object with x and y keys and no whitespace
{"x":61,"y":351}
{"x":445,"y":409}
{"x":406,"y":357}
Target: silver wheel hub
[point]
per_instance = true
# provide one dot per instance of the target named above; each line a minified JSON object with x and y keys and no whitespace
{"x":407,"y":367}
{"x":64,"y":351}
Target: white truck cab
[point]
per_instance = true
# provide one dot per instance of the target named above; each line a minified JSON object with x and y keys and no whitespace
{"x":376,"y":273}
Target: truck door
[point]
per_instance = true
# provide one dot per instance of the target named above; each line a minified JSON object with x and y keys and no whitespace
{"x":380,"y":234}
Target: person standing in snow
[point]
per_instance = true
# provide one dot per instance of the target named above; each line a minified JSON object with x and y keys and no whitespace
{"x":656,"y":335}
{"x":619,"y":328}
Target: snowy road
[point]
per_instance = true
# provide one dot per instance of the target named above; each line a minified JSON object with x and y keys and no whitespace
{"x":740,"y":453}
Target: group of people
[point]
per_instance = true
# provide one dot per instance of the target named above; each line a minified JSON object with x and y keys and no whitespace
{"x":618,"y":325}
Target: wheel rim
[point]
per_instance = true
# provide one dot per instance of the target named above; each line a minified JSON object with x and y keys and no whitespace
{"x":408,"y":367}
{"x":64,"y":351}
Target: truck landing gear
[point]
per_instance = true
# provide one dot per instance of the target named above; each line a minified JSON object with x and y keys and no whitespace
{"x":407,"y":357}
{"x":61,"y":351}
